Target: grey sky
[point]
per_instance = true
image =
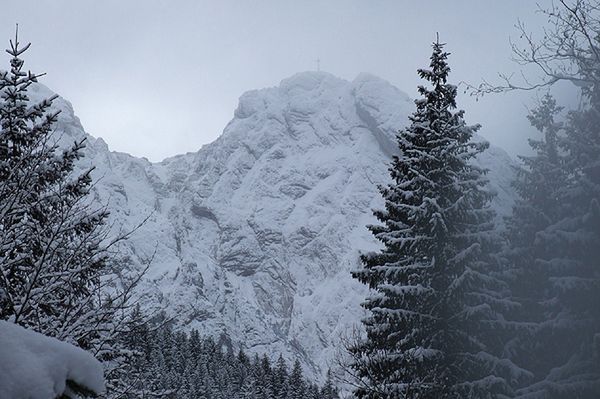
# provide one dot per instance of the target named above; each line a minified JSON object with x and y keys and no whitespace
{"x":157,"y":78}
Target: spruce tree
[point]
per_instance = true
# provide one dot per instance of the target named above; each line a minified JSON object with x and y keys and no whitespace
{"x":540,"y":186}
{"x":280,"y":377}
{"x":329,"y":390}
{"x":435,"y":301}
{"x":555,"y":227}
{"x":566,"y":339}
{"x":49,"y":241}
{"x":296,"y":384}
{"x":539,"y":181}
{"x":577,"y":285}
{"x":180,"y":365}
{"x":55,"y":263}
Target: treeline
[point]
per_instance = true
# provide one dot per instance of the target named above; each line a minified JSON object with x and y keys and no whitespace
{"x":174,"y":364}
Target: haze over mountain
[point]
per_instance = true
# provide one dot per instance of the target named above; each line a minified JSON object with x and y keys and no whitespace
{"x":254,"y":235}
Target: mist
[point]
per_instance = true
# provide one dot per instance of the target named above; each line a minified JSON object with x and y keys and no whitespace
{"x":163,"y":79}
{"x":211,"y":199}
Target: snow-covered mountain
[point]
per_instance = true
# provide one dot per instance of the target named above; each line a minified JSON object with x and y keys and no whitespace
{"x":255,"y":234}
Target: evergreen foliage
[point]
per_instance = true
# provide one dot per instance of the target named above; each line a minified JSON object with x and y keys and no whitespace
{"x":435,"y":303}
{"x":49,"y":257}
{"x":554,"y":232}
{"x":555,"y":241}
{"x":56,"y":272}
{"x":177,"y":365}
{"x":554,"y":236}
{"x":540,"y":184}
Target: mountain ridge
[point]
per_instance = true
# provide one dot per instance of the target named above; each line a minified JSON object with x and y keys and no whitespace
{"x":255,"y":234}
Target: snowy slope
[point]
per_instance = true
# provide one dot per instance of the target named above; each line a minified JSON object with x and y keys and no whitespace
{"x":38,"y":367}
{"x":256,"y":233}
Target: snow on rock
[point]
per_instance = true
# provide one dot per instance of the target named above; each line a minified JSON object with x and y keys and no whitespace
{"x":33,"y":366}
{"x":256,"y":233}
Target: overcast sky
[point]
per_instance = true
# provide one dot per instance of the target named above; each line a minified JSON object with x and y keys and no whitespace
{"x":158,"y":78}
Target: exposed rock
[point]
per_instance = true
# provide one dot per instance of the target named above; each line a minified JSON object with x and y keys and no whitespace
{"x":256,"y":233}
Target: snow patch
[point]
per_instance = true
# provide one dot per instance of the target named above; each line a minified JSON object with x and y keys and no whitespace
{"x":34,"y":366}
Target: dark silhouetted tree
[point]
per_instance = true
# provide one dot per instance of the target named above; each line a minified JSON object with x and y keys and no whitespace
{"x":435,"y":302}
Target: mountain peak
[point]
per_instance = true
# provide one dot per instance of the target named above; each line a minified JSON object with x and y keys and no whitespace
{"x":310,"y":80}
{"x":256,"y":233}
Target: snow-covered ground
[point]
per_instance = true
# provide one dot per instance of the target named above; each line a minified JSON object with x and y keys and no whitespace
{"x":34,"y":366}
{"x":256,"y":233}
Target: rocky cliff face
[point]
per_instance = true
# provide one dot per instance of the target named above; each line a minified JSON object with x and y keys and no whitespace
{"x":255,"y":234}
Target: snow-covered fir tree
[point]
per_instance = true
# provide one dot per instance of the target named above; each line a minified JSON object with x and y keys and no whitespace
{"x":297,"y":388}
{"x":280,"y":377}
{"x":565,"y":343}
{"x":48,"y":236}
{"x":55,"y":265}
{"x":539,"y":183}
{"x":329,"y":390}
{"x":539,"y":180}
{"x":554,"y":249}
{"x":189,"y":366}
{"x":433,"y":311}
{"x":555,"y":228}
